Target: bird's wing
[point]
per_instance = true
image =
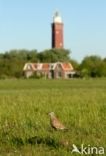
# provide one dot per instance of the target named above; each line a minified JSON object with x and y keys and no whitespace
{"x":57,"y":124}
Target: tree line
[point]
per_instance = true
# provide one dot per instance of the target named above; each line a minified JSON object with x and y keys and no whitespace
{"x":12,"y":62}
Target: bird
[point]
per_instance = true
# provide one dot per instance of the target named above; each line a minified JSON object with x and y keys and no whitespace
{"x":55,"y":123}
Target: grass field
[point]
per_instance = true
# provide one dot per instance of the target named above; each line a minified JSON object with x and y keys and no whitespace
{"x":24,"y":124}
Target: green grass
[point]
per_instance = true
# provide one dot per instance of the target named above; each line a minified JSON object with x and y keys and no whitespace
{"x":24,"y":123}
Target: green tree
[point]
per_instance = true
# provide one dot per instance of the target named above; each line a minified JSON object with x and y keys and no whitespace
{"x":54,"y":55}
{"x":93,"y":65}
{"x":12,"y":62}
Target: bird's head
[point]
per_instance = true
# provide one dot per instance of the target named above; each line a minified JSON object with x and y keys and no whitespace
{"x":51,"y":114}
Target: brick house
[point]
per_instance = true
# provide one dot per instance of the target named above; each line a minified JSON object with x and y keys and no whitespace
{"x":49,"y":70}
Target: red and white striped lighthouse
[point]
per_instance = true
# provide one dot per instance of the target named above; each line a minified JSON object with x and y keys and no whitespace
{"x":57,"y":31}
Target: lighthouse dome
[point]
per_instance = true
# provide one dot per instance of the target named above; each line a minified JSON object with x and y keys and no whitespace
{"x":57,"y":18}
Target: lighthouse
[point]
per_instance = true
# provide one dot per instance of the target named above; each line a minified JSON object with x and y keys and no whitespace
{"x":57,"y":31}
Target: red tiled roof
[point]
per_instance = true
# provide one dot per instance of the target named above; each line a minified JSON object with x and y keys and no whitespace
{"x":45,"y":66}
{"x":67,"y":66}
{"x":34,"y":66}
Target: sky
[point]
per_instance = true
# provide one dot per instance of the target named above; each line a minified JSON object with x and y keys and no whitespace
{"x":26,"y":24}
